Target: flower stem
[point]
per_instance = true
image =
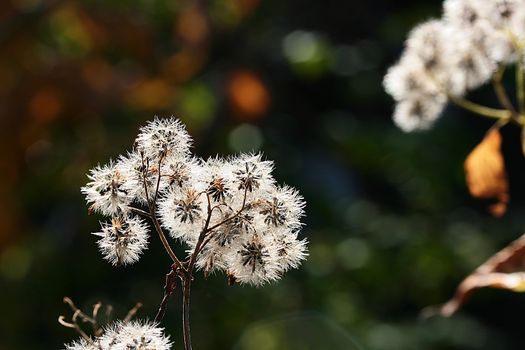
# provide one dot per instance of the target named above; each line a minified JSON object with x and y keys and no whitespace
{"x":479,"y":109}
{"x":520,"y":83}
{"x":186,"y":285}
{"x":153,"y":217}
{"x":501,"y":93}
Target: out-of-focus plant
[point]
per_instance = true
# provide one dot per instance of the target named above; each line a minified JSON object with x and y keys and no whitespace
{"x":229,"y":213}
{"x":475,"y":42}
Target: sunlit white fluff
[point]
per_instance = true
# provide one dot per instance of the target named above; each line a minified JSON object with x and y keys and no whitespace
{"x":163,"y":137}
{"x":250,"y":224}
{"x":452,"y":56}
{"x":408,"y":79}
{"x":138,"y":336}
{"x":134,"y":335}
{"x":283,"y":206}
{"x":412,"y":115}
{"x":183,"y":212}
{"x":82,"y":344}
{"x":291,"y":251}
{"x":106,"y":191}
{"x":140,"y":170}
{"x":254,"y":260}
{"x":123,"y":240}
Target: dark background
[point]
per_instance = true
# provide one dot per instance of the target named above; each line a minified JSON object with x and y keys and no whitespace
{"x":391,"y":226}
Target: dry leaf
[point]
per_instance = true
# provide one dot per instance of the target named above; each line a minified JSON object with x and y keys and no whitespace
{"x":485,"y":173}
{"x":505,"y":269}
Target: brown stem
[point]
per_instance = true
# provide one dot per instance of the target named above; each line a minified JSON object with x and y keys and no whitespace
{"x":169,"y":288}
{"x":153,"y":217}
{"x":139,"y":211}
{"x":187,"y":277}
{"x":132,"y":313}
{"x":186,"y":283}
{"x":231,"y":217}
{"x":158,"y":180}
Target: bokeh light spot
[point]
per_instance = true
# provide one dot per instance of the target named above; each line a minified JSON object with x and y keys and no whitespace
{"x":245,"y":138}
{"x":249,"y":97}
{"x":353,"y":253}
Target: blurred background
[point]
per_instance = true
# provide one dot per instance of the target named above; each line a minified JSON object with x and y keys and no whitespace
{"x":391,"y":226}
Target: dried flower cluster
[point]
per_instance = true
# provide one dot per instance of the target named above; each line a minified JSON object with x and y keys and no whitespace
{"x":250,"y":224}
{"x":228,"y":212}
{"x":444,"y":59}
{"x":126,"y":336}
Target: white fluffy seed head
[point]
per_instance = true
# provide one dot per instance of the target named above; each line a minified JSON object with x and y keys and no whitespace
{"x":452,"y":56}
{"x":466,"y":14}
{"x":163,"y":137}
{"x":106,"y":191}
{"x":429,"y":42}
{"x":409,"y":80}
{"x":134,"y":335}
{"x":412,"y":115}
{"x":250,"y":224}
{"x":123,"y":240}
{"x":281,"y":207}
{"x":139,"y":336}
{"x":139,"y":170}
{"x":82,"y":344}
{"x":183,"y":213}
{"x":252,"y":173}
{"x":254,"y":260}
{"x":291,"y":251}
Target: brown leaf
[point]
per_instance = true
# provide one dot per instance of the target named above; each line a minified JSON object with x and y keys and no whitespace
{"x":485,"y":173}
{"x":505,"y":269}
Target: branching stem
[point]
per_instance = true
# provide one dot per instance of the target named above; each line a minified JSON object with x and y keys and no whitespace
{"x":153,"y":217}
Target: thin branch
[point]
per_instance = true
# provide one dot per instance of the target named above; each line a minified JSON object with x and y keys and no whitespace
{"x":520,"y":83}
{"x":153,"y":217}
{"x":501,"y":93}
{"x":231,"y":217}
{"x":75,"y":326}
{"x":84,"y":317}
{"x":186,"y":283}
{"x":479,"y":109}
{"x":78,"y":312}
{"x":169,"y":288}
{"x":158,"y":180}
{"x":139,"y":211}
{"x":132,"y":312}
{"x":96,"y":330}
{"x":498,"y":125}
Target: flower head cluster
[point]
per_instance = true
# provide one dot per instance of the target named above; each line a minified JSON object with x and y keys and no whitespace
{"x":229,"y":211}
{"x":446,"y":58}
{"x":126,"y":336}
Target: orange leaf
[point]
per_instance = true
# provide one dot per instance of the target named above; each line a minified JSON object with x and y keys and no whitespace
{"x":505,"y":269}
{"x":485,"y":173}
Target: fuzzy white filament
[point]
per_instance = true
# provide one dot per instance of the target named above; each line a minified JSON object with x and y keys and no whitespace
{"x":126,"y":336}
{"x":448,"y":57}
{"x":123,"y":240}
{"x":230,"y":209}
